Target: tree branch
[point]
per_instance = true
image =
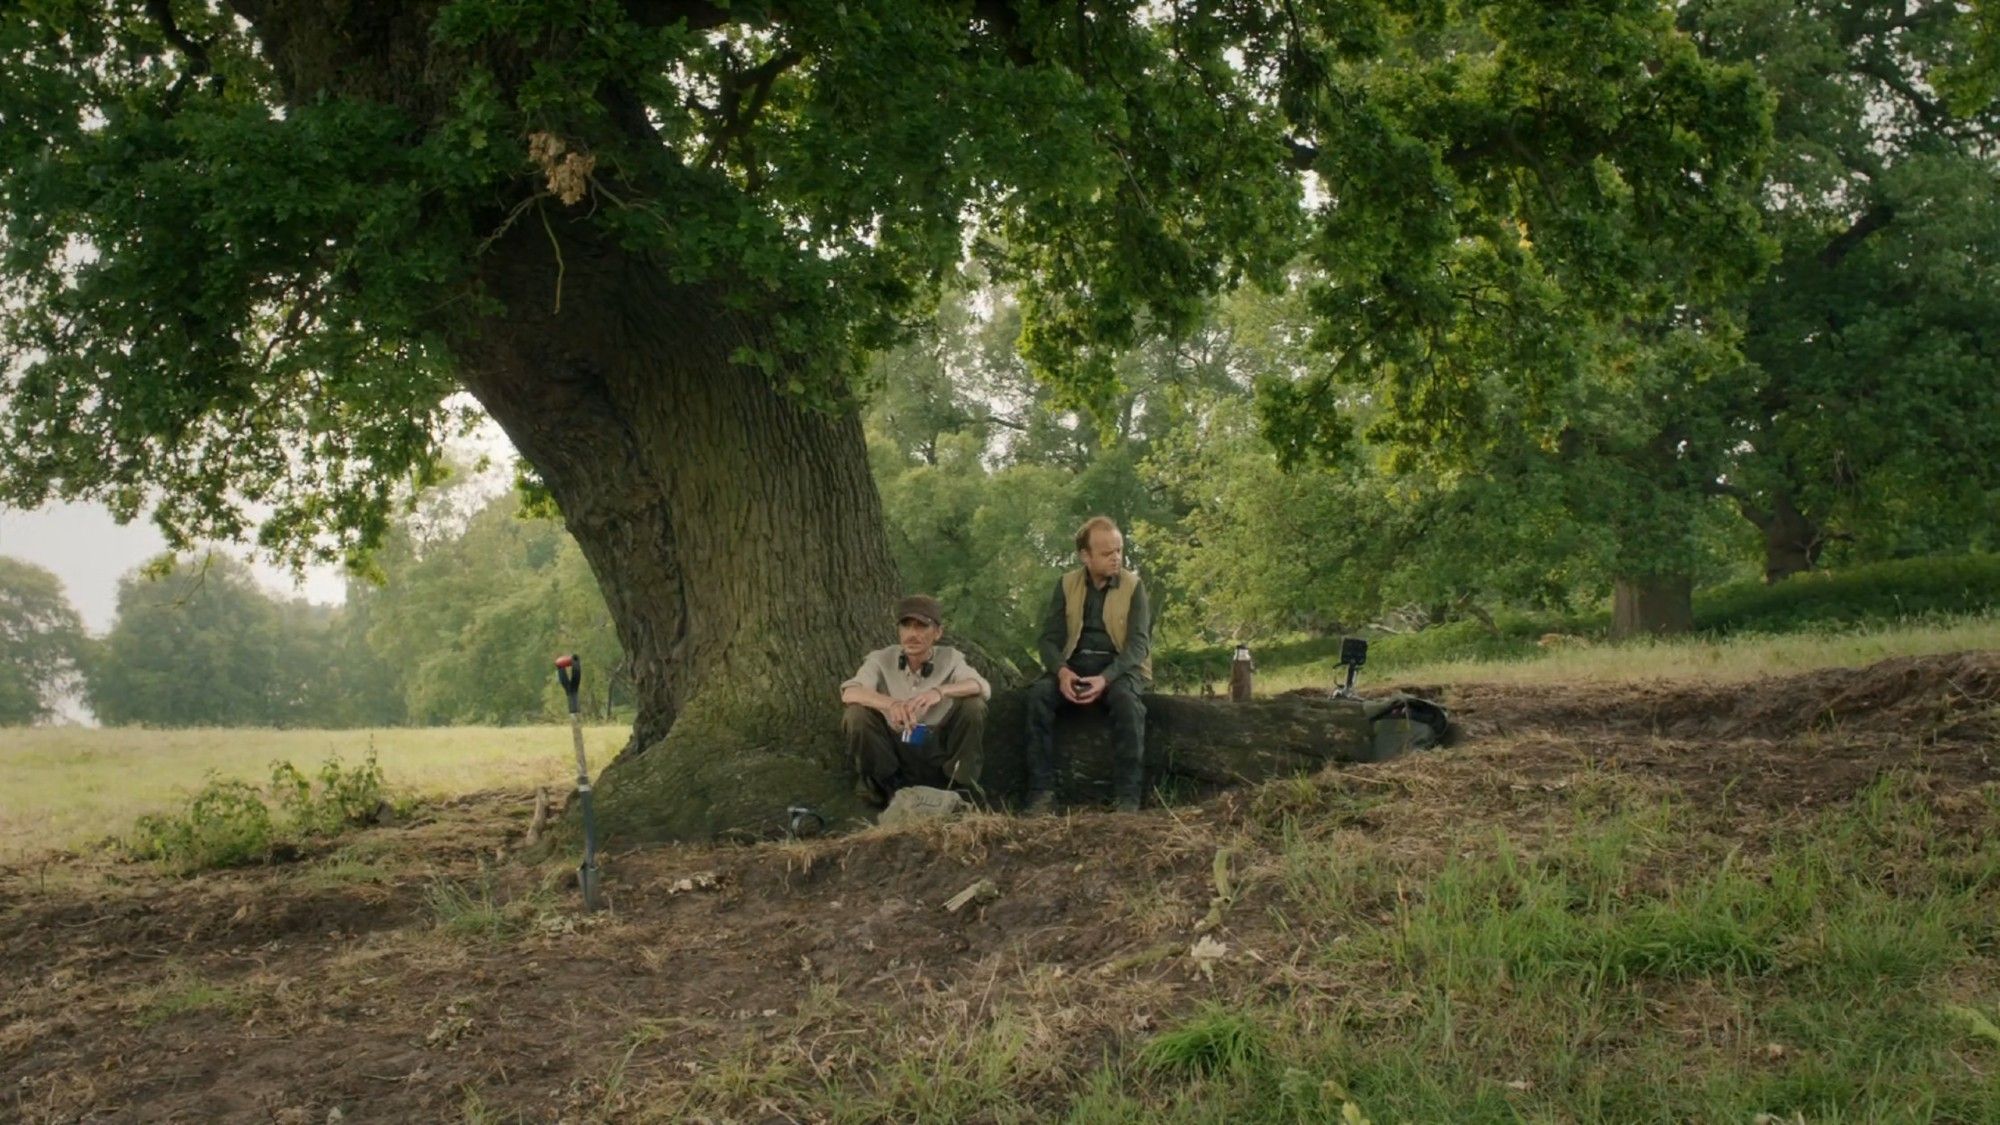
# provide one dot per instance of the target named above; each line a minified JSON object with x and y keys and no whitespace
{"x":1875,"y":218}
{"x":1746,"y":505}
{"x":162,"y":12}
{"x":1855,"y":30}
{"x":1929,"y":111}
{"x":739,"y":114}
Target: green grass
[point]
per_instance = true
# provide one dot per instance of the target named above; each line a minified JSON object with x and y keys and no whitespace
{"x":348,"y":867}
{"x":184,"y":993}
{"x":1622,"y":959}
{"x":471,"y":912}
{"x":1637,"y":968}
{"x":477,"y":910}
{"x":1729,"y":658}
{"x":65,"y":787}
{"x":1217,"y":1042}
{"x":1812,"y":620}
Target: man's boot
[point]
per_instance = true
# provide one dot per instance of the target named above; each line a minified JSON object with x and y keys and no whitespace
{"x":1040,"y":803}
{"x":1127,"y":789}
{"x":869,"y":791}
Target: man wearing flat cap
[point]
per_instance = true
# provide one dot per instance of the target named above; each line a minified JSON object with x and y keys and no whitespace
{"x":916,"y":711}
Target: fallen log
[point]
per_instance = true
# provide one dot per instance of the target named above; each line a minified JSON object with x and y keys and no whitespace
{"x":1195,"y":746}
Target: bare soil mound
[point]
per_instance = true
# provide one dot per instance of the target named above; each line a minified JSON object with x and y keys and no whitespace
{"x":1894,"y":696}
{"x":423,"y":972}
{"x":1778,"y":740}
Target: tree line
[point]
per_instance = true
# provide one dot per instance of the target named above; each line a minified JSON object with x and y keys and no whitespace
{"x":455,"y":628}
{"x":984,"y":472}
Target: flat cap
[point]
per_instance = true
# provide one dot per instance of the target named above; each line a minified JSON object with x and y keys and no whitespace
{"x":920,"y":607}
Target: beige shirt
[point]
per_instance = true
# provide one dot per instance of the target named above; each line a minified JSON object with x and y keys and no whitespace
{"x":880,"y":673}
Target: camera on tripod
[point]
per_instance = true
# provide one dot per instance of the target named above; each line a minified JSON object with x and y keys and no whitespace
{"x":1353,"y":654}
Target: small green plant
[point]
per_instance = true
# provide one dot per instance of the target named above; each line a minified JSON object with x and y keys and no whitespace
{"x":226,"y":824}
{"x":185,"y":993}
{"x":1218,"y":1042}
{"x":229,"y":823}
{"x":476,"y":909}
{"x":467,"y":912}
{"x":1976,"y":1023}
{"x":342,"y":797}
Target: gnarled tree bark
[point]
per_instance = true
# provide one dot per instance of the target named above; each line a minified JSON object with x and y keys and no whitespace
{"x":736,"y":534}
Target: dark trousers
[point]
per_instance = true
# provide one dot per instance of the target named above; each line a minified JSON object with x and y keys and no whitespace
{"x":951,"y":757}
{"x":1128,"y":729}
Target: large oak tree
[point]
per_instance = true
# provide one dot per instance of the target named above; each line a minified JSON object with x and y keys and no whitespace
{"x":253,"y":246}
{"x":1870,"y":410}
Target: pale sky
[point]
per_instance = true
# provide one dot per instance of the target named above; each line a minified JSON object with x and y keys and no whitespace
{"x":90,"y":552}
{"x":87,"y":549}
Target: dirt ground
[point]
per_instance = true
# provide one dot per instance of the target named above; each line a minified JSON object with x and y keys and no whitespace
{"x":331,"y":988}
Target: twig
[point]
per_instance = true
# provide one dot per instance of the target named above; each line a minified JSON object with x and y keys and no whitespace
{"x":555,"y":244}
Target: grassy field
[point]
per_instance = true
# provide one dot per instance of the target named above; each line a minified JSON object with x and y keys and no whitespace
{"x":64,"y":787}
{"x":1728,"y":659}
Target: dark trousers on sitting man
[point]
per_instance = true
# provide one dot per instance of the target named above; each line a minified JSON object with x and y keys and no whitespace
{"x":1128,"y":729}
{"x":950,"y":758}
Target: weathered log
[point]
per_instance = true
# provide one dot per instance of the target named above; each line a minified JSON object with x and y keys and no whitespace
{"x":1197,"y":746}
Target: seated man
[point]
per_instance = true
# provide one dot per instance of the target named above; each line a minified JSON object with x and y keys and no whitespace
{"x":916,"y":711}
{"x":1096,"y":645}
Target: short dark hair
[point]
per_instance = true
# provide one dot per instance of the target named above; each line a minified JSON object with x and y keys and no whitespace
{"x":1090,"y":527}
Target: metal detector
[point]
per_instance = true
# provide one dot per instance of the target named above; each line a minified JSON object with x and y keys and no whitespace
{"x":569,"y":673}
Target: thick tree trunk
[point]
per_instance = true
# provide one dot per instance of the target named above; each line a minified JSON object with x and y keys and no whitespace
{"x":1198,"y":745}
{"x":1655,"y":605}
{"x":737,"y":536}
{"x":1792,"y":541}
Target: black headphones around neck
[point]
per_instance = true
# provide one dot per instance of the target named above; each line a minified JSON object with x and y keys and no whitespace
{"x":903,"y":665}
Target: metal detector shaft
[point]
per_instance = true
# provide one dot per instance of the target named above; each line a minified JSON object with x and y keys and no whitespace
{"x":569,"y":672}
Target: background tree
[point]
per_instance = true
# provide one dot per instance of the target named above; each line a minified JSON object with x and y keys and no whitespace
{"x":470,"y":618}
{"x":198,"y":643}
{"x":986,"y":471}
{"x":1330,"y":543}
{"x":1869,"y":414}
{"x":43,"y":649}
{"x":254,"y":245}
{"x":1482,"y":331}
{"x":362,"y":688}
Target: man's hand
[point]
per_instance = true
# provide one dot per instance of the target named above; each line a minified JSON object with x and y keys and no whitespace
{"x":1066,"y":680}
{"x":906,"y":713}
{"x":1088,"y":688}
